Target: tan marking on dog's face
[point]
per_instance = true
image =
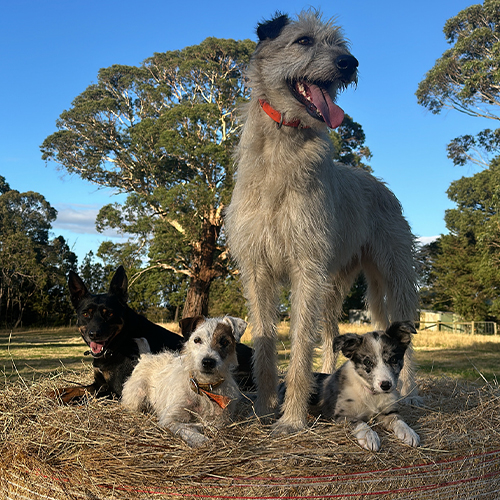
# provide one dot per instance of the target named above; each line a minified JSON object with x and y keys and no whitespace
{"x":223,"y":340}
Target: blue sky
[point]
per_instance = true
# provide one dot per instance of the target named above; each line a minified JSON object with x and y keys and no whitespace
{"x":52,"y":50}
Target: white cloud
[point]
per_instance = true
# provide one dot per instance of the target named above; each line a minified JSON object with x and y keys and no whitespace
{"x":79,"y":219}
{"x":425,"y":240}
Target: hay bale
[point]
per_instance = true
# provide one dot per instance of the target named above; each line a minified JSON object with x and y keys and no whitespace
{"x":101,"y":451}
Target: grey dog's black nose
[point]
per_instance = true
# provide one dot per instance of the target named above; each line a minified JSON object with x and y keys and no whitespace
{"x":346,"y":64}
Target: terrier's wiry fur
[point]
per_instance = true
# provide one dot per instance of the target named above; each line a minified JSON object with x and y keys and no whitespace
{"x":297,"y":217}
{"x":194,"y":387}
{"x":365,"y":386}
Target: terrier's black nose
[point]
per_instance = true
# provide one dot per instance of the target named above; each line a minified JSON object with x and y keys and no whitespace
{"x":208,"y":363}
{"x":385,"y":385}
{"x":347,"y":65}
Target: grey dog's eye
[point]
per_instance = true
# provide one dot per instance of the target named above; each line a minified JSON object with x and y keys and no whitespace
{"x":197,"y":340}
{"x":305,"y":40}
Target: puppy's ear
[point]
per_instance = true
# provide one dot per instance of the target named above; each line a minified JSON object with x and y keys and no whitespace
{"x":271,"y":29}
{"x":238,"y":326}
{"x":401,"y":331}
{"x":77,"y":289}
{"x":189,"y":325}
{"x":119,"y":285}
{"x":347,"y":343}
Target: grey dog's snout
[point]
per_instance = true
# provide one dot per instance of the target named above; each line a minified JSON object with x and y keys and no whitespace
{"x":347,"y":65}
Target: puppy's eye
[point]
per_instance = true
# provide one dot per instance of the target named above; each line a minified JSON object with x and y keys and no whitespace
{"x":368,"y":363}
{"x":86,"y":314}
{"x":223,"y":342}
{"x":197,"y":340}
{"x":393,"y":360}
{"x":305,"y":40}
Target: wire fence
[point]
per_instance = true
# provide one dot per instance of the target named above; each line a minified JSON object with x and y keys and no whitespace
{"x":468,"y":327}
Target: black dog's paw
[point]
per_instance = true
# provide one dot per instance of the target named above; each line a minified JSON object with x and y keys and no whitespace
{"x":69,"y":395}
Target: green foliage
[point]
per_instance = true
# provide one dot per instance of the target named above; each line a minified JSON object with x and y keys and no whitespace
{"x":32,"y":267}
{"x":349,"y":144}
{"x":467,"y":78}
{"x":463,"y":272}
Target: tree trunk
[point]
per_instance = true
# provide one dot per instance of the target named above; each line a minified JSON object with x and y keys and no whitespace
{"x":203,"y":272}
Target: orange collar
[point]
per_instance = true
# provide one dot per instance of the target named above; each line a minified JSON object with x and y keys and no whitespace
{"x":277,"y":116}
{"x":222,"y":401}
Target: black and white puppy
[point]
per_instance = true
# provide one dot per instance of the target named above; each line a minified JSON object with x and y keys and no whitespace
{"x":365,"y":386}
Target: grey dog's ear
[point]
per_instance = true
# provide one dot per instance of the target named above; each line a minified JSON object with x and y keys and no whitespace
{"x":401,"y":330}
{"x":347,"y":343}
{"x":271,"y":29}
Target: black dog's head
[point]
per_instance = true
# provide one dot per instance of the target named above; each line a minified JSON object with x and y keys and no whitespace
{"x":101,"y":316}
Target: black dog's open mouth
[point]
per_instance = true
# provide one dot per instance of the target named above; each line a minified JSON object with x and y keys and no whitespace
{"x":97,"y":349}
{"x":317,"y":101}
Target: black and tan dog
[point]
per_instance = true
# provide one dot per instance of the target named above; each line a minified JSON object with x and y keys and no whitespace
{"x":116,"y":335}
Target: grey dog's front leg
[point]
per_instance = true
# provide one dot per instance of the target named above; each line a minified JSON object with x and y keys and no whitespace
{"x":262,"y":298}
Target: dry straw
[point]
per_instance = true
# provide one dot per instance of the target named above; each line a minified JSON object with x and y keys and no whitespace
{"x":101,"y":451}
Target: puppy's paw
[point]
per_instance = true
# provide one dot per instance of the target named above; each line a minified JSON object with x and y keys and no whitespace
{"x":367,"y":438}
{"x":413,"y":399}
{"x":404,"y":432}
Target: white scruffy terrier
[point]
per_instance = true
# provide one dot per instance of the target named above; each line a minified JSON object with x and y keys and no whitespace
{"x":193,"y":387}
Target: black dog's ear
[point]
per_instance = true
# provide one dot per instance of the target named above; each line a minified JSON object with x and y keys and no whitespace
{"x":189,"y":325}
{"x":77,"y":289}
{"x":119,"y":285}
{"x":347,"y":343}
{"x":401,"y":331}
{"x":271,"y":29}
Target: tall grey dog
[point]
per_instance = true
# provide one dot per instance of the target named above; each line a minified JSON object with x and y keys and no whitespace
{"x":297,"y":217}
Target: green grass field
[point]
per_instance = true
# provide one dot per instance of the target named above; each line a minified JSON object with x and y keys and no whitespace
{"x":34,"y":353}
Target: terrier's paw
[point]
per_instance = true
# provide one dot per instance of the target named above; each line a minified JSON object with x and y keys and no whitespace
{"x":404,"y":432}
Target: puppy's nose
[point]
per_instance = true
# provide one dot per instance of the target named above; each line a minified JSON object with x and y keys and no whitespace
{"x":347,"y":65}
{"x":208,"y":363}
{"x":385,"y":385}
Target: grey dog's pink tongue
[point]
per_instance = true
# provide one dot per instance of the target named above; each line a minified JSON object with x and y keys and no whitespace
{"x":332,"y":114}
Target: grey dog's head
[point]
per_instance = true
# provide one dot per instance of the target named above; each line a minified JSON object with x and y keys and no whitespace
{"x":300,"y":65}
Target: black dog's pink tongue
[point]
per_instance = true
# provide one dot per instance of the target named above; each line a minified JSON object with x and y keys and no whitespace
{"x":332,"y":114}
{"x":96,"y":348}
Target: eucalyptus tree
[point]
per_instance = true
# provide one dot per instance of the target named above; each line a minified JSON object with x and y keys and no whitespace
{"x":163,"y":133}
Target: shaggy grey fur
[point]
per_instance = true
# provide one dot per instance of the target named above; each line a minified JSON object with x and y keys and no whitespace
{"x":297,"y":217}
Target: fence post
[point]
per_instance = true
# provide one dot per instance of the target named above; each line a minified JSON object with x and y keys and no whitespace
{"x":472,"y":328}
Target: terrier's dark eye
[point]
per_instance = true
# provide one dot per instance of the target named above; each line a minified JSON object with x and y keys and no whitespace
{"x":223,"y":342}
{"x":305,"y":40}
{"x":197,"y":340}
{"x":393,"y":360}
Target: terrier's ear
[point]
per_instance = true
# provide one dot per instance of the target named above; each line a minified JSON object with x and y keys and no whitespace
{"x":77,"y":289}
{"x":238,"y":326}
{"x":271,"y":29}
{"x":401,"y":331}
{"x":347,"y":343}
{"x":119,"y":285}
{"x":189,"y":325}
